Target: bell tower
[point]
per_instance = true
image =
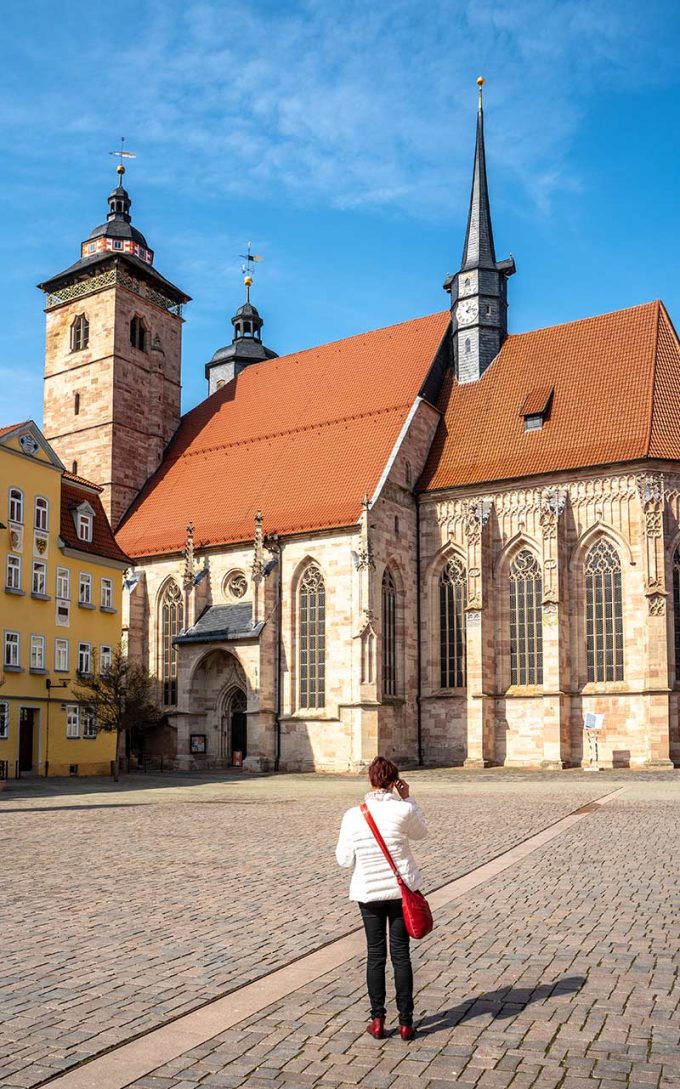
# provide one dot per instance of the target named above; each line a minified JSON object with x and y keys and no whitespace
{"x":113,"y":359}
{"x":479,"y":294}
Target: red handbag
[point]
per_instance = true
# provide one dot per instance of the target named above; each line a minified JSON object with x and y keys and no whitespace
{"x":417,"y":914}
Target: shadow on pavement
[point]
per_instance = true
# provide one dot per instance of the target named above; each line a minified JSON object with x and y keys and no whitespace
{"x":66,"y":808}
{"x":501,"y":1004}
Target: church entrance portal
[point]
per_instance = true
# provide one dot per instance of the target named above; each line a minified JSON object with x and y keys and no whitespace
{"x":235,"y":727}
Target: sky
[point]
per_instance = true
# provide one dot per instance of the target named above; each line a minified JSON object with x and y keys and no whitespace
{"x":338,"y":138}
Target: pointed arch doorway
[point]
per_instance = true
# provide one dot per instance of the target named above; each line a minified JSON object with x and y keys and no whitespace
{"x":234,"y":733}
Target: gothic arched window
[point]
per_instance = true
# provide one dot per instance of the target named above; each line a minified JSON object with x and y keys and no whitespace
{"x":389,"y":629}
{"x":676,"y":610}
{"x":80,"y":333}
{"x":170,"y":620}
{"x":138,"y":334}
{"x":604,"y":613}
{"x":526,"y":621}
{"x":312,"y":638}
{"x":452,"y":602}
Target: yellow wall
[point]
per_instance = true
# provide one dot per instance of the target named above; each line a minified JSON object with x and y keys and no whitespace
{"x":25,"y":692}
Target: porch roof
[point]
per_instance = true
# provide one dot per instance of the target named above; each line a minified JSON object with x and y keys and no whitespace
{"x":222,"y":624}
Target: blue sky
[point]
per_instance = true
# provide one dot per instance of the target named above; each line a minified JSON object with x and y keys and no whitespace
{"x":339,"y":138}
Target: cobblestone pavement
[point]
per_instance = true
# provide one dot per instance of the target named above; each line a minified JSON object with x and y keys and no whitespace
{"x":561,"y":972}
{"x":125,"y":907}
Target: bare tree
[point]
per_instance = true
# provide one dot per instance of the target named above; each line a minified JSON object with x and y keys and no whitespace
{"x":121,"y":697}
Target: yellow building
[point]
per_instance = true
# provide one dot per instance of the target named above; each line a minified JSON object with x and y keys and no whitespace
{"x":60,"y":609}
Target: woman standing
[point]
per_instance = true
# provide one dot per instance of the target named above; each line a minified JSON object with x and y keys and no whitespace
{"x":375,"y":887}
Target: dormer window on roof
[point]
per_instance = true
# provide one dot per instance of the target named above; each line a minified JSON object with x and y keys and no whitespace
{"x":536,"y":407}
{"x":83,"y":516}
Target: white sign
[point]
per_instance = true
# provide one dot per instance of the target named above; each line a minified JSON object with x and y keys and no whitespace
{"x":592,"y":721}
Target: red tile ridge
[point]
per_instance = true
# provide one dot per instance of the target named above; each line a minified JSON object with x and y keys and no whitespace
{"x":81,"y":480}
{"x":583,"y":321}
{"x":265,"y":436}
{"x":13,"y":427}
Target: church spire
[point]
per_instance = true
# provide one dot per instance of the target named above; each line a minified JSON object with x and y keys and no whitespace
{"x":479,"y":291}
{"x":478,"y":251}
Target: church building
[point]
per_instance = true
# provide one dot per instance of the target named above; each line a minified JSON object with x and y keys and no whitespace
{"x":439,"y":540}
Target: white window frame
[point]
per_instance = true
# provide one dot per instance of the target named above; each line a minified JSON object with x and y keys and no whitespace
{"x":13,"y":572}
{"x":61,"y":650}
{"x":37,"y":655}
{"x":64,"y":583}
{"x":88,"y":722}
{"x":84,"y":525}
{"x":105,"y":658}
{"x":4,"y":720}
{"x":12,"y":645}
{"x":106,"y":598}
{"x":84,"y":580}
{"x":85,"y":657}
{"x":16,"y":505}
{"x":41,"y":515}
{"x":72,"y":720}
{"x":39,"y":568}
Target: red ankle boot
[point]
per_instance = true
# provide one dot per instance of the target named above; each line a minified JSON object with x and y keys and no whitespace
{"x":407,"y":1032}
{"x":376,"y":1029}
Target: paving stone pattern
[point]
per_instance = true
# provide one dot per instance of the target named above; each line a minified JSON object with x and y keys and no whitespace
{"x":562,"y":972}
{"x":125,"y":908}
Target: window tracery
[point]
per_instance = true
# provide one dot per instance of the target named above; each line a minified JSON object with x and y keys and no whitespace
{"x":604,"y":613}
{"x":452,"y":603}
{"x":526,"y":621}
{"x":312,"y":638}
{"x":389,"y":647}
{"x":171,"y":618}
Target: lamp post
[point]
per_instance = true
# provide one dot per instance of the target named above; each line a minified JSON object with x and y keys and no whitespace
{"x":49,"y":685}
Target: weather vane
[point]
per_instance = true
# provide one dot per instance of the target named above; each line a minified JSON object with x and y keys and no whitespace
{"x":249,"y":259}
{"x":120,"y":155}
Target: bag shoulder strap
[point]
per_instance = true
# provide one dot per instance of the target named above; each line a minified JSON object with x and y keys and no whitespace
{"x":380,"y":841}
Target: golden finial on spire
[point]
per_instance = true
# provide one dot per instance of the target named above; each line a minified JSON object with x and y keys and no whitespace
{"x":120,"y":155}
{"x":480,"y":83}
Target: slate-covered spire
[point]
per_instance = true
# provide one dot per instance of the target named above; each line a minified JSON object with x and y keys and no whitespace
{"x":479,"y":291}
{"x":246,"y":347}
{"x":478,"y":251}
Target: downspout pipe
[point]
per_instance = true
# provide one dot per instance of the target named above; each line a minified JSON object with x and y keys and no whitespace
{"x":419,"y":656}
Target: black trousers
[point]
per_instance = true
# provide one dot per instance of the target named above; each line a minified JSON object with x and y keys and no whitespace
{"x":376,"y":916}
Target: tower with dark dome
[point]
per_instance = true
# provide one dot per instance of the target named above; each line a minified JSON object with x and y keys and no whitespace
{"x":113,"y":358}
{"x":246,"y":346}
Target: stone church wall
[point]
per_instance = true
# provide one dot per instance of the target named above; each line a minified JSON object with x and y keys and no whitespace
{"x":557,"y":520}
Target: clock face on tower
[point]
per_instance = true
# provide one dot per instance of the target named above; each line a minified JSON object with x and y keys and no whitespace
{"x":466,"y":311}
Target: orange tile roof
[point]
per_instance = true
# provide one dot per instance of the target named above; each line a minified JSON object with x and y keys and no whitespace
{"x":12,"y":427}
{"x":103,"y":542}
{"x":616,"y":380}
{"x":301,"y":437}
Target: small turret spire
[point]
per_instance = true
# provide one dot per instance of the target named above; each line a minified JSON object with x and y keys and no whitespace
{"x":479,"y":251}
{"x":479,"y":290}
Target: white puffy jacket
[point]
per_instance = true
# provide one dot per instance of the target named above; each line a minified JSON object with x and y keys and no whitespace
{"x":398,"y":821}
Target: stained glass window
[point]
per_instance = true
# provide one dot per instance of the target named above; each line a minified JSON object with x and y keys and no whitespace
{"x":312,"y":599}
{"x":526,"y":621}
{"x":171,"y":620}
{"x":452,"y":602}
{"x":389,"y":647}
{"x":604,"y":613}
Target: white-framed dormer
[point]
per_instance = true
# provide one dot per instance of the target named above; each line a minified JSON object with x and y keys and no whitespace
{"x":83,"y":517}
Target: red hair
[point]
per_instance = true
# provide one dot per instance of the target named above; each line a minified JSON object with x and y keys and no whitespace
{"x":382,"y":773}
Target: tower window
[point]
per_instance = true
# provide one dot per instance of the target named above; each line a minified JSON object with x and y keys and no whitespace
{"x":76,"y":404}
{"x":74,"y":468}
{"x":117,"y":244}
{"x":80,"y":333}
{"x":138,"y":334}
{"x":467,"y":345}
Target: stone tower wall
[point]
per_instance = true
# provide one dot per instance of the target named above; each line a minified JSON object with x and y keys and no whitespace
{"x":129,"y":399}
